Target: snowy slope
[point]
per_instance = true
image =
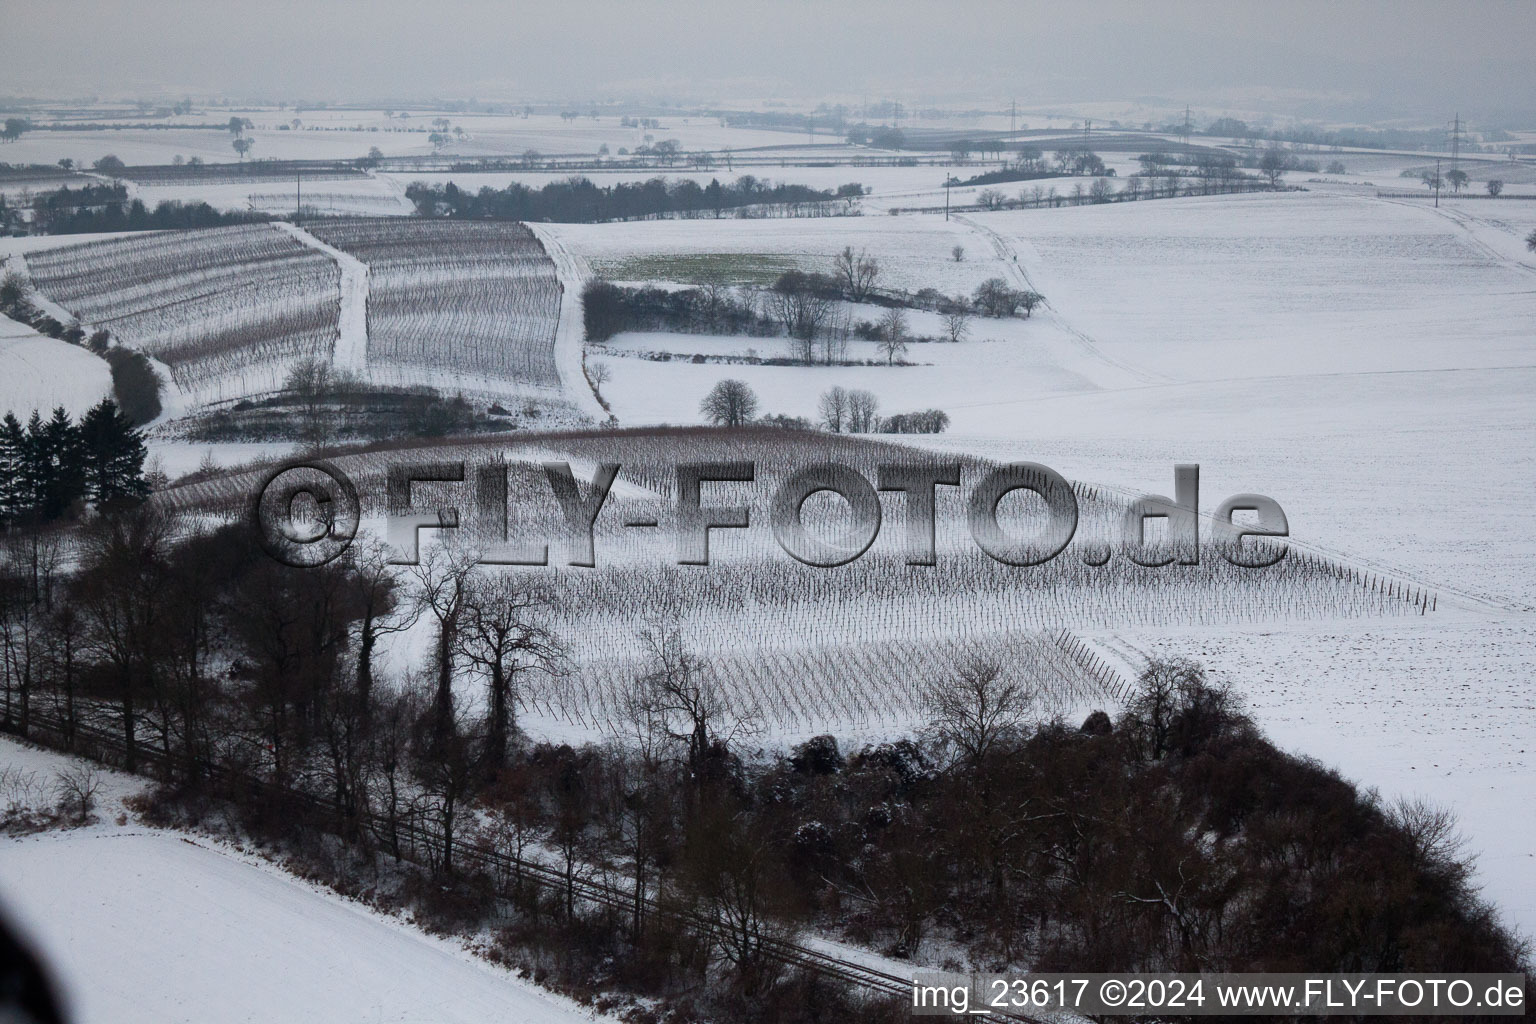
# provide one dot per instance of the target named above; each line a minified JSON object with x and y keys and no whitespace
{"x":38,"y":372}
{"x":153,"y":927}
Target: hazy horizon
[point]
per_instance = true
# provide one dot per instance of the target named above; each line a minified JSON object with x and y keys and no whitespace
{"x":1368,"y":60}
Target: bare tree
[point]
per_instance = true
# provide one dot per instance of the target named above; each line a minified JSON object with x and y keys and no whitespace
{"x":1436,"y":841}
{"x":380,"y":610}
{"x":977,"y":707}
{"x":75,"y":789}
{"x":1272,"y":164}
{"x":447,"y":771}
{"x":833,"y":408}
{"x":715,"y":291}
{"x":642,"y":822}
{"x":683,"y":698}
{"x":731,"y":868}
{"x":599,"y":374}
{"x":991,"y":199}
{"x":501,"y":634}
{"x":834,"y":344}
{"x":1495,"y":186}
{"x":801,"y":309}
{"x":958,"y":253}
{"x":957,"y":324}
{"x":863,"y":409}
{"x":444,"y":576}
{"x":1172,"y":697}
{"x":729,"y":403}
{"x":993,"y":297}
{"x":893,"y":332}
{"x":857,"y":273}
{"x":313,"y":383}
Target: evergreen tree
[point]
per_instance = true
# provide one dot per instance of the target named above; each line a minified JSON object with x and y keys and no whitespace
{"x":113,"y":457}
{"x":15,"y":498}
{"x":63,"y":459}
{"x":35,"y":471}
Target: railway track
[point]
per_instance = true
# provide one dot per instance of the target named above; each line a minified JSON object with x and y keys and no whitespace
{"x":107,"y":747}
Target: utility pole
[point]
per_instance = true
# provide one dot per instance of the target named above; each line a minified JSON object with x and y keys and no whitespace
{"x":949,"y":179}
{"x":1456,"y":142}
{"x":298,"y":195}
{"x":1186,"y":125}
{"x":1013,"y":118}
{"x":1437,"y":183}
{"x":1087,"y":124}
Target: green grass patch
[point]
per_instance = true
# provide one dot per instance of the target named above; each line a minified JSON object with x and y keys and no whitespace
{"x":692,"y":268}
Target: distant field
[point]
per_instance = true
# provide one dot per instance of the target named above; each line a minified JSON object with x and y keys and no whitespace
{"x":914,"y":252}
{"x":734,"y":268}
{"x":465,"y":306}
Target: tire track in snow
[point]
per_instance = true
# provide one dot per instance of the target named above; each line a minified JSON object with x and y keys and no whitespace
{"x":1010,"y":257}
{"x":351,"y":351}
{"x":570,"y":334}
{"x":1474,"y":228}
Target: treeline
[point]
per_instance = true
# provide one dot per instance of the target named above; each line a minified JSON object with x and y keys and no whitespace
{"x":1172,"y":836}
{"x":732,"y":403}
{"x":49,"y":467}
{"x":578,"y":200}
{"x":1345,"y":138}
{"x":107,"y":208}
{"x":800,"y":305}
{"x":609,"y":309}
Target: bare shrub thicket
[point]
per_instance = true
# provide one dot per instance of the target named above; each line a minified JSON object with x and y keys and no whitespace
{"x":75,"y":790}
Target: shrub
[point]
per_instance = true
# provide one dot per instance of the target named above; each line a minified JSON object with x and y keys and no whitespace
{"x":929,"y":421}
{"x":135,"y":385}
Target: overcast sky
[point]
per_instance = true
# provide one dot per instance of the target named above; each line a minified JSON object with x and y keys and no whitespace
{"x":1411,"y":58}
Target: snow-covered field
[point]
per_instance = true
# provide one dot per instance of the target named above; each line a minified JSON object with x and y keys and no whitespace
{"x":1294,"y":283}
{"x":914,"y":252}
{"x":39,"y":372}
{"x":141,"y":925}
{"x":346,"y":135}
{"x":1368,"y":363}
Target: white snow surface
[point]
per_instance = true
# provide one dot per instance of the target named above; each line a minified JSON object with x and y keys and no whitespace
{"x":570,"y":331}
{"x":1370,"y":364}
{"x":142,"y":926}
{"x":351,"y":353}
{"x":39,"y":372}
